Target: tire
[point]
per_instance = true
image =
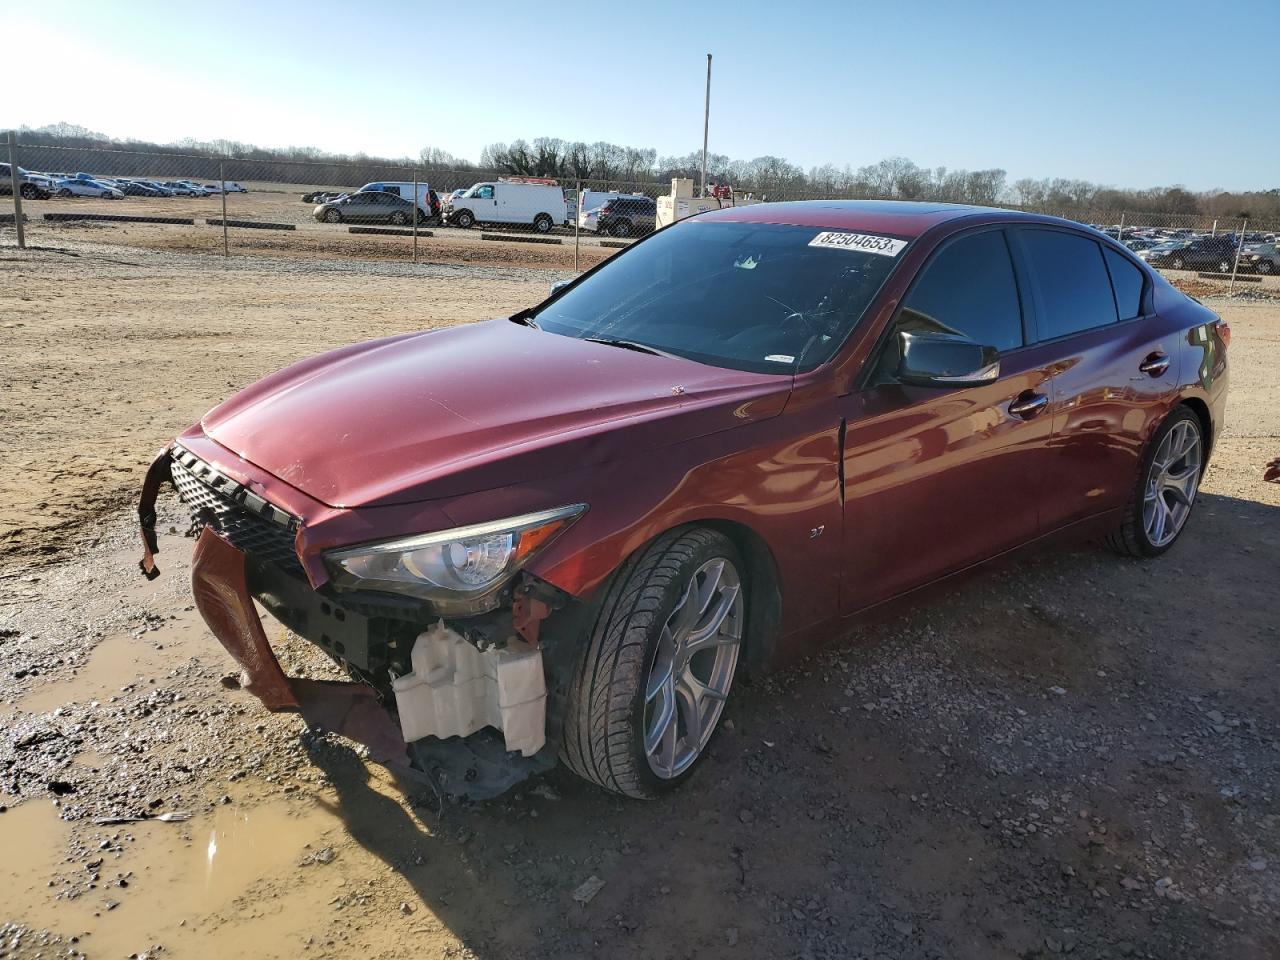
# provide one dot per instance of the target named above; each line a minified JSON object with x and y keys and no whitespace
{"x":1178,"y":263}
{"x":64,"y":192}
{"x":1224,"y":266}
{"x":1138,"y":536}
{"x":543,"y":223}
{"x":1265,"y":267}
{"x":399,"y":219}
{"x":616,"y":697}
{"x":332,"y":216}
{"x":620,"y":228}
{"x":463,"y":219}
{"x":29,"y":191}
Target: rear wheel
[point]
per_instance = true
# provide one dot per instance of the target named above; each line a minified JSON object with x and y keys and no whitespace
{"x":1224,"y":266}
{"x":1178,"y":263}
{"x":658,"y":666}
{"x":1265,"y":266}
{"x":1168,"y":482}
{"x":620,"y":228}
{"x":64,"y":192}
{"x":542,"y":223}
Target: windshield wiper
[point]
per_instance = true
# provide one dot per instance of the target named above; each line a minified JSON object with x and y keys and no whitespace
{"x":629,"y":345}
{"x":525,"y":318}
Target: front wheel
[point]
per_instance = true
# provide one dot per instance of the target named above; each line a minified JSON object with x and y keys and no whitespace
{"x":464,"y":219}
{"x":1167,"y":485}
{"x":64,"y":192}
{"x":29,"y":191}
{"x":659,"y":664}
{"x":1178,"y":263}
{"x":1265,"y":266}
{"x":333,"y":216}
{"x":1224,"y":266}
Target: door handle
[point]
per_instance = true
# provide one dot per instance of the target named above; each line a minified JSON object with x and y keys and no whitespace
{"x":1155,"y":365}
{"x":1027,"y":404}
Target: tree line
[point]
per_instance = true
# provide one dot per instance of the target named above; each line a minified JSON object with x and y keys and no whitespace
{"x":768,"y":176}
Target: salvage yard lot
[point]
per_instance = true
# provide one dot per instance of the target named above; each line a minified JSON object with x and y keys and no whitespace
{"x":1079,"y":756}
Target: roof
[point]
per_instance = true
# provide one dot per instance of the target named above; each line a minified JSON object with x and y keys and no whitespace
{"x":903,"y":218}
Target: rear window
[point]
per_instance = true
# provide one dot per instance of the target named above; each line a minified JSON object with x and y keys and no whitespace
{"x":1127,"y":281}
{"x":1072,"y":281}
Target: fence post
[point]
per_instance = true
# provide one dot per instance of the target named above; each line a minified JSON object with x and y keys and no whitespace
{"x":1120,"y":238}
{"x":1214,"y":230}
{"x":16,"y":181}
{"x":415,"y":214}
{"x":222,"y":179}
{"x":1231,"y":288}
{"x":577,"y":215}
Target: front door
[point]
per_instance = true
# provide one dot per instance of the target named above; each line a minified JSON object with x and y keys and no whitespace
{"x":939,"y":478}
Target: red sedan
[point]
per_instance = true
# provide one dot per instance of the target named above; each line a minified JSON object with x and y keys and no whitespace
{"x":566,"y":533}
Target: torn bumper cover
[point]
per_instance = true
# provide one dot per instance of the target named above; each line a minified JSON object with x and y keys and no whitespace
{"x":350,"y":709}
{"x":449,"y":702}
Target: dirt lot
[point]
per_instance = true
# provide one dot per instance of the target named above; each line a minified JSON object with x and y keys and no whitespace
{"x":1077,"y":757}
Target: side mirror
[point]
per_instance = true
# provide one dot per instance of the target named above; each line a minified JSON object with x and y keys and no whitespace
{"x":559,"y":285}
{"x":946,"y":360}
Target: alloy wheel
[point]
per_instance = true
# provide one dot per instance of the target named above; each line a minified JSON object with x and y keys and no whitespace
{"x":693,"y":668}
{"x":1172,"y":483}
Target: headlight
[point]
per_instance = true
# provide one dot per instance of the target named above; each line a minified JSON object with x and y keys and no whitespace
{"x":460,"y":571}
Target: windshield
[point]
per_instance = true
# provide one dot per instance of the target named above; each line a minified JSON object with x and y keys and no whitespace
{"x":766,"y":298}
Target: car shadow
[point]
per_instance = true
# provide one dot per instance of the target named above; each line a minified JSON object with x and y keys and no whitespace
{"x":957,"y":781}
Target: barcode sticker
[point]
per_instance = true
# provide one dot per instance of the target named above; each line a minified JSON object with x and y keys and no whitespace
{"x":860,"y":242}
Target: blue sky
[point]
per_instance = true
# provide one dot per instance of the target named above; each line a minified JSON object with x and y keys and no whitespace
{"x":1124,"y":93}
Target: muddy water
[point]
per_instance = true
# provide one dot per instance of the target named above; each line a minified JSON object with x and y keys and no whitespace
{"x":250,"y":878}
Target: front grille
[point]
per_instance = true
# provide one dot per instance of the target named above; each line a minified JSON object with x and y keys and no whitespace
{"x":252,"y":525}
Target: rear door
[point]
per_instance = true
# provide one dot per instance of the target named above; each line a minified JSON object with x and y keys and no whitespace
{"x":1114,"y":367}
{"x":937,"y":478}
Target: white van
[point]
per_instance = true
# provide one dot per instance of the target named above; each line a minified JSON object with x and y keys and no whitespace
{"x":402,"y":189}
{"x":590,"y":200}
{"x":525,"y":200}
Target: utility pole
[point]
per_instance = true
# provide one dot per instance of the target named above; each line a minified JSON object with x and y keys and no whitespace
{"x":706,"y":127}
{"x":16,"y":180}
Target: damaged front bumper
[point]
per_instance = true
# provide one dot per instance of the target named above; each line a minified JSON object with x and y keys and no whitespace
{"x":471,"y":704}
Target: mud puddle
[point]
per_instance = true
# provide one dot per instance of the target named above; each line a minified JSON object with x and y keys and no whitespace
{"x":252,"y":876}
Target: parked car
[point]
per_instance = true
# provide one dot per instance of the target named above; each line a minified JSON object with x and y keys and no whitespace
{"x":31,"y":186}
{"x":369,"y":206}
{"x":595,"y":199}
{"x":1138,"y":244}
{"x":401,"y":188}
{"x":88,"y":188}
{"x":623,"y":217}
{"x":233,"y":187}
{"x":514,"y":200}
{"x":37,"y":186}
{"x":182,"y":189}
{"x":1261,"y":258}
{"x":1203,"y":253}
{"x":138,"y":188}
{"x":161,"y":189}
{"x":564,"y":534}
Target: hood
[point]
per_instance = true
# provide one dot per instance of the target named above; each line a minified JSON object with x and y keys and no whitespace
{"x":474,"y":407}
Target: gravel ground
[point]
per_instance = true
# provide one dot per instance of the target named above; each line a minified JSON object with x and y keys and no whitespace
{"x":1079,"y":756}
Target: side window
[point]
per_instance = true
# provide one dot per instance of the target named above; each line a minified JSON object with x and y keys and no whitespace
{"x":484,"y":193}
{"x":969,"y":289}
{"x":1075,"y":291}
{"x":1127,"y":281}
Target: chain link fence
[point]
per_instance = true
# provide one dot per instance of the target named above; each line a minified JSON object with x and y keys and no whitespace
{"x":374,"y":210}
